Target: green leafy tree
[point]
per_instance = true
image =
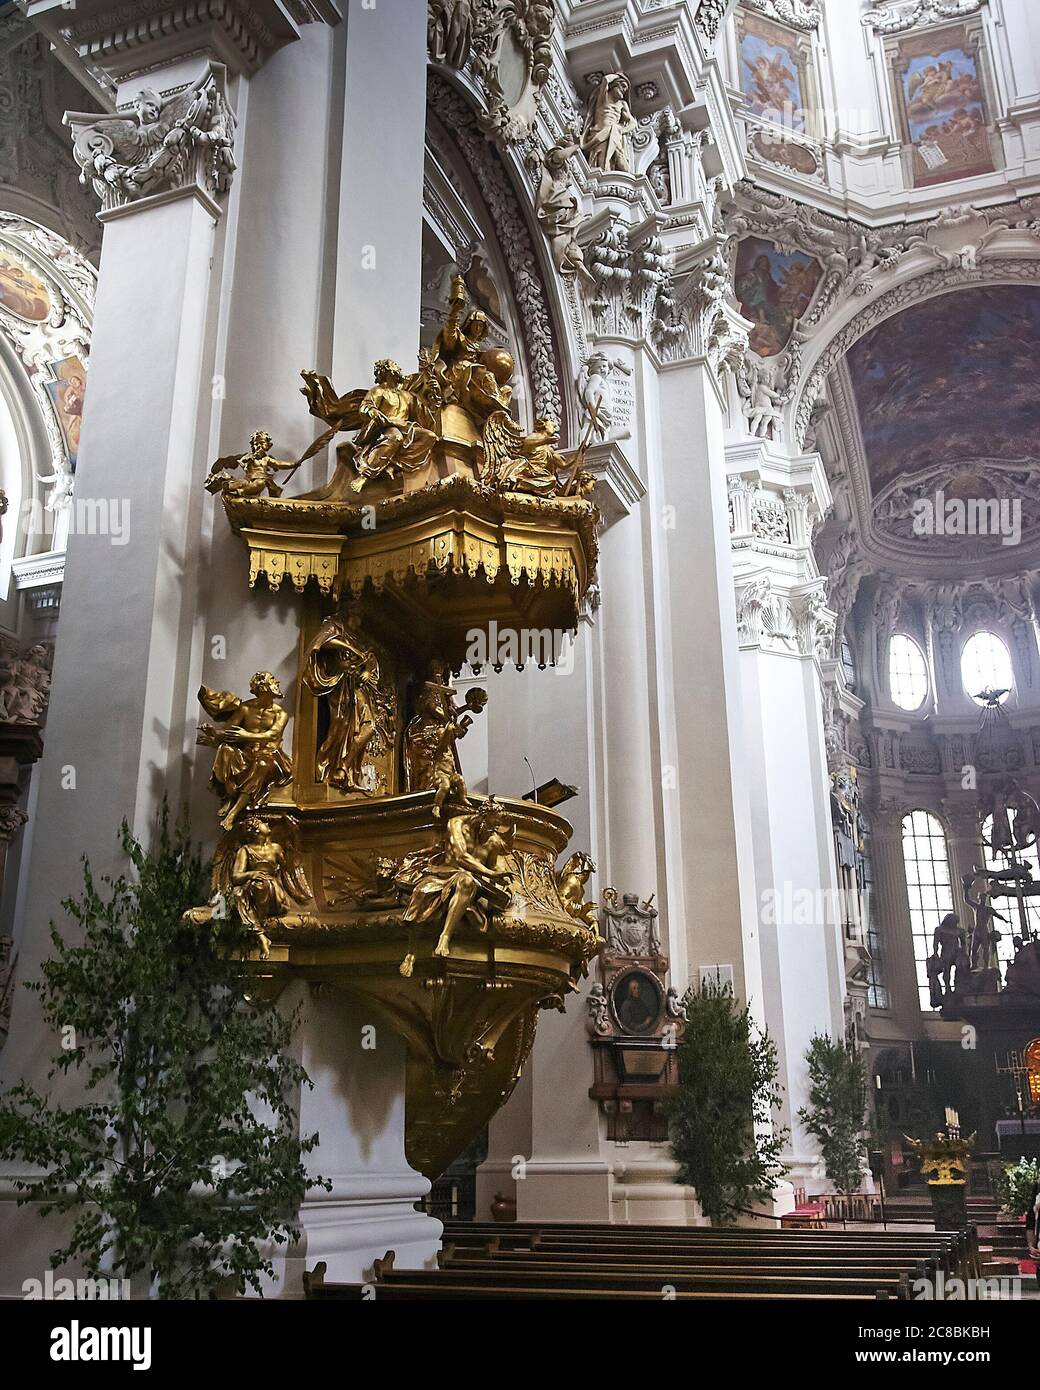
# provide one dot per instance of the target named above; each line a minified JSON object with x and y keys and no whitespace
{"x":836,"y":1113}
{"x":722,"y":1123}
{"x":182,"y":1158}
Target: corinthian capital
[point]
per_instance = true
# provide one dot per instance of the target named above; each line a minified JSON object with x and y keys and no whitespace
{"x":162,"y":144}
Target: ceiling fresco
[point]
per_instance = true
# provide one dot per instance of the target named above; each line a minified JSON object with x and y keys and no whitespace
{"x":947,"y":399}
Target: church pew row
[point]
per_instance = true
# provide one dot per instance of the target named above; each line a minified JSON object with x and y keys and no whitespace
{"x":404,"y":1292}
{"x":745,"y":1264}
{"x":458,"y":1283}
{"x":684,"y":1233}
{"x":956,"y":1253}
{"x":487,"y":1272}
{"x":945,"y":1257}
{"x":532,"y":1260}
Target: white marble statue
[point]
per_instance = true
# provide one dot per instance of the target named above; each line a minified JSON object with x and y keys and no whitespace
{"x":608,"y":123}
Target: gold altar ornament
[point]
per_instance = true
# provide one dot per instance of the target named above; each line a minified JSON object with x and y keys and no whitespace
{"x":945,"y":1156}
{"x":363,"y":862}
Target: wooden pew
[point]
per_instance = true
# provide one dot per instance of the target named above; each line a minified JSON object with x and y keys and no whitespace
{"x":483,"y":1260}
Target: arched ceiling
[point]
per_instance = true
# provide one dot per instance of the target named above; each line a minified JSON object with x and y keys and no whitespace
{"x":944,"y":400}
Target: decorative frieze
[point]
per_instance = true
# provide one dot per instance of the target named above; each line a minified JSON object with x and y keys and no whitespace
{"x":765,"y":617}
{"x":799,"y":14}
{"x":815,"y":624}
{"x":797,"y":622}
{"x":506,"y":48}
{"x":709,"y":17}
{"x":900,"y":16}
{"x":633,"y":294}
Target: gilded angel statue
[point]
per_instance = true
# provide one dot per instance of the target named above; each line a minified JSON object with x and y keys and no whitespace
{"x":395,"y":419}
{"x":250,"y":762}
{"x":257,"y":869}
{"x":532,"y":463}
{"x":250,"y":474}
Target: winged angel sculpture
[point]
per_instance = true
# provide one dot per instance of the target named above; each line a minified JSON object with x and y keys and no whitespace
{"x":397,"y":420}
{"x":165,"y":143}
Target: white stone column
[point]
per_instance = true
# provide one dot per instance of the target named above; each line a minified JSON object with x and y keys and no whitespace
{"x":786,"y":632}
{"x":801,"y":932}
{"x":705,"y":775}
{"x":205,"y":313}
{"x":342,"y":292}
{"x":117,"y":734}
{"x":904,"y":1018}
{"x":357,"y":1108}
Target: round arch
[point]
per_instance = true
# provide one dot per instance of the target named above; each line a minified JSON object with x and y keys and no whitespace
{"x":550,"y":344}
{"x":819,"y":355}
{"x":46,"y":310}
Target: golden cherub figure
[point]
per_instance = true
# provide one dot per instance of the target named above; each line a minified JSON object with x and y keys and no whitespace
{"x":570,"y":884}
{"x":250,"y":762}
{"x":257,"y":474}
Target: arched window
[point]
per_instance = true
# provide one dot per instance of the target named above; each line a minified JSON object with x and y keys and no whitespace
{"x":907,"y":673}
{"x":848,"y":664}
{"x":986,"y":665}
{"x":928,"y":888}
